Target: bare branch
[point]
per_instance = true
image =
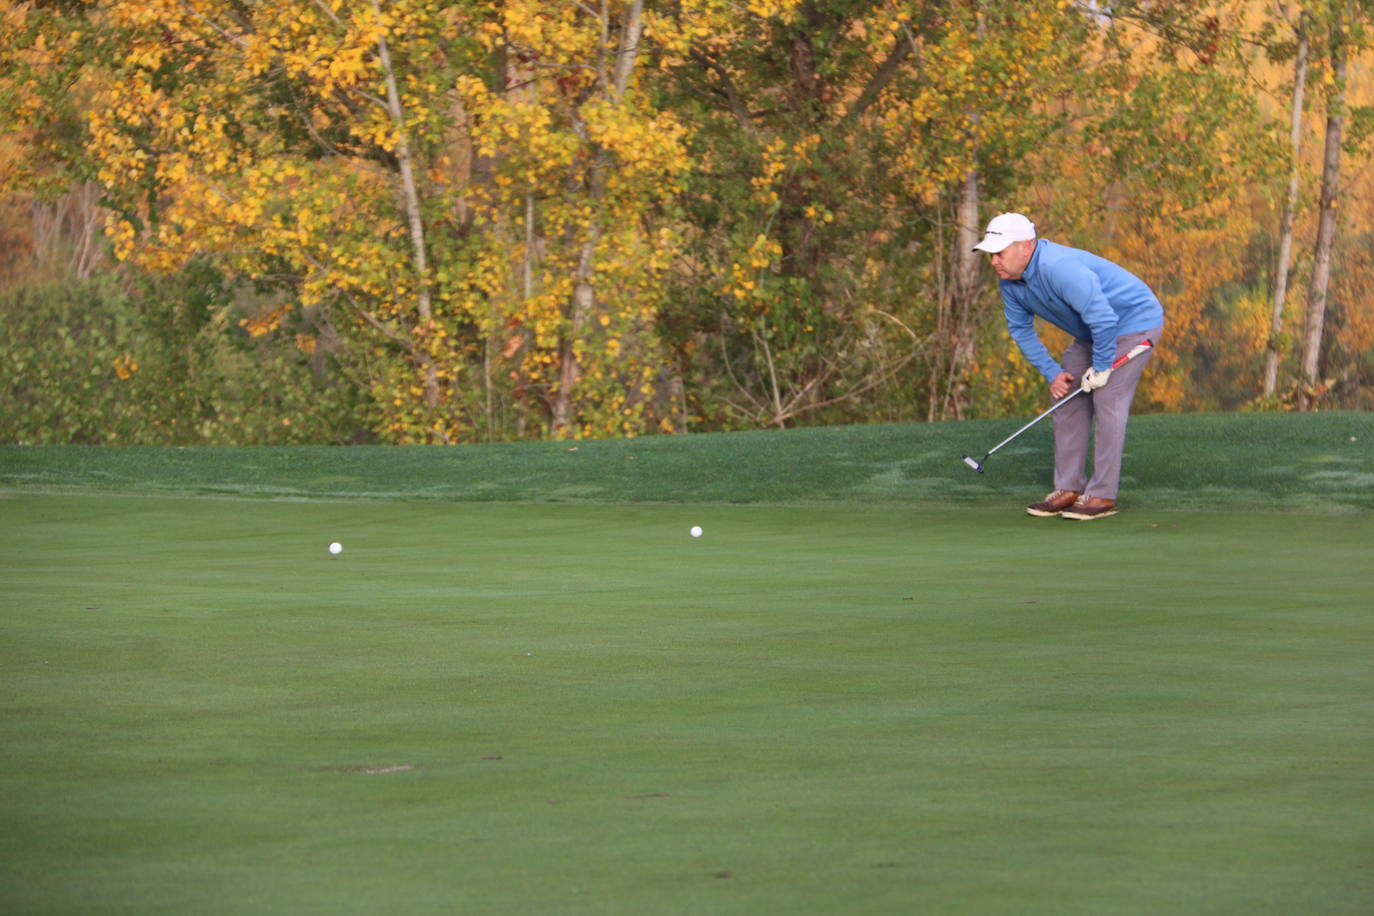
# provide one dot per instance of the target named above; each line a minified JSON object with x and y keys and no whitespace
{"x":881,"y":77}
{"x":873,"y":380}
{"x":727,"y":87}
{"x":243,"y":45}
{"x":324,"y":7}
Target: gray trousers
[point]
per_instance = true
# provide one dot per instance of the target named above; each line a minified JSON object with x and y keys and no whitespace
{"x":1108,"y":408}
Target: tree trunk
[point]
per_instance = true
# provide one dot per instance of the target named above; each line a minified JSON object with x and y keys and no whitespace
{"x":583,"y":301}
{"x":1290,"y":206}
{"x":965,"y":291}
{"x":965,"y":264}
{"x":584,"y":293}
{"x":935,"y":398}
{"x":1326,"y":225}
{"x":411,"y":200}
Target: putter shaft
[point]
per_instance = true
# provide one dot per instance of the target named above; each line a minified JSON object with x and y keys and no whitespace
{"x":1120,"y":361}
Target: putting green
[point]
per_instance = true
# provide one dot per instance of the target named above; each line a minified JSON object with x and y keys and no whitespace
{"x":581,"y":709}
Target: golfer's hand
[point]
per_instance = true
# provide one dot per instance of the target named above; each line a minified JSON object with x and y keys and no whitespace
{"x":1061,"y":385}
{"x":1093,"y":379}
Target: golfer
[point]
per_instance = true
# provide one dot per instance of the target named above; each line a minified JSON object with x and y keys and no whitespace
{"x":1107,"y":310}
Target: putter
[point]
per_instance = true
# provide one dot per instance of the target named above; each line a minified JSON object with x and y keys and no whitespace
{"x":1126,"y":357}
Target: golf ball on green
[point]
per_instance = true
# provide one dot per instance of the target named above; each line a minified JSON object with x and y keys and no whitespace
{"x":336,"y":547}
{"x":696,"y":531}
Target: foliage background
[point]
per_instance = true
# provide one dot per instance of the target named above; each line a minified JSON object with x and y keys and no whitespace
{"x":407,"y":221}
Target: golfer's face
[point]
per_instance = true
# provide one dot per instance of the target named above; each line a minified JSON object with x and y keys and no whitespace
{"x":1010,"y":262}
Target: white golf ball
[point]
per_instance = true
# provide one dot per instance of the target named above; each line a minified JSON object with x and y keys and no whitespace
{"x":696,"y":531}
{"x":336,"y":547}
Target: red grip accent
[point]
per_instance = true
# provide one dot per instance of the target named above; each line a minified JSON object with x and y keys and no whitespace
{"x":1134,"y":351}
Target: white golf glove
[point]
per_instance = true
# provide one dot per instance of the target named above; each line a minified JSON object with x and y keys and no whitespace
{"x":1094,"y":379}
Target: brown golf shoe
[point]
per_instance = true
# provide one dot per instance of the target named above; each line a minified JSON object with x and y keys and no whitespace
{"x":1053,"y":503}
{"x":1087,"y":508}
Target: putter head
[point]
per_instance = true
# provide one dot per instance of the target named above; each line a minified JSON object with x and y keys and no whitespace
{"x":977,"y":466}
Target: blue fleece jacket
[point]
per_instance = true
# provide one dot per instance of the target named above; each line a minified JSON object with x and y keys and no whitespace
{"x":1082,"y":293}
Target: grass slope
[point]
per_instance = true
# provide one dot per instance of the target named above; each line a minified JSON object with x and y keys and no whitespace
{"x":567,"y":705}
{"x":1311,"y":462}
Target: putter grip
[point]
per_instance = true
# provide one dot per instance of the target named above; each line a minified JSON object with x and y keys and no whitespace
{"x":1132,"y":353}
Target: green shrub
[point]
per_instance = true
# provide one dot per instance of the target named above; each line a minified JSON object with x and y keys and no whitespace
{"x":163,"y":362}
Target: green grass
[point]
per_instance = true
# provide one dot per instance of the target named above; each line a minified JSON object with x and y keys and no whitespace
{"x":1313,"y":462}
{"x":846,"y":697}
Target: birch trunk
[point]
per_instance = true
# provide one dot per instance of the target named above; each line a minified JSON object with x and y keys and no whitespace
{"x":411,"y":202}
{"x":584,"y":292}
{"x":965,"y":294}
{"x":965,"y":269}
{"x":1326,"y":224}
{"x":1290,"y":206}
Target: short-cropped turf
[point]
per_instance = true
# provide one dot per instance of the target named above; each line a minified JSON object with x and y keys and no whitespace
{"x":573,"y":706}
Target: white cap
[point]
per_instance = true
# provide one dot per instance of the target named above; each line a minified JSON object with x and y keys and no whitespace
{"x":1005,"y":229}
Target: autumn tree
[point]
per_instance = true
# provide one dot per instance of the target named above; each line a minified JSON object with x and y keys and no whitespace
{"x":287,"y":145}
{"x":454,"y":198}
{"x":1346,"y":29}
{"x":532,"y":218}
{"x":52,"y":211}
{"x":1173,"y":144}
{"x":569,"y":159}
{"x":826,"y":258}
{"x":1321,"y":39}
